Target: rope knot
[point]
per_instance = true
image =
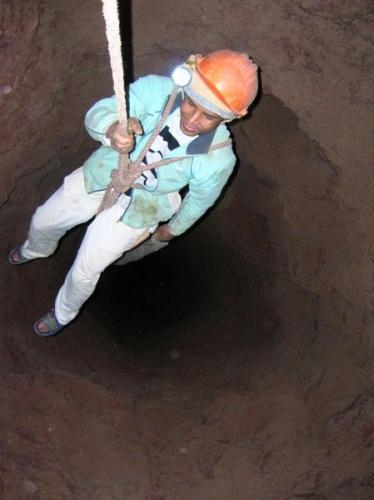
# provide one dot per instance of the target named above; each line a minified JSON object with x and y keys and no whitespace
{"x":122,"y":179}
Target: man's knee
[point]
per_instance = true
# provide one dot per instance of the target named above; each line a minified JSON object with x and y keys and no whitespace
{"x":42,"y":220}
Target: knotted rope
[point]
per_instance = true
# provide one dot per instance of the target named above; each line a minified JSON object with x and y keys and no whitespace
{"x":128,"y":171}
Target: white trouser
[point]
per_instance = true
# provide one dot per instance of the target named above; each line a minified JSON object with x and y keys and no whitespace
{"x":106,"y":239}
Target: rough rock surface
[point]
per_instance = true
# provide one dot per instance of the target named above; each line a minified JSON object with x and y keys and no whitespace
{"x":45,"y":45}
{"x":254,"y":381}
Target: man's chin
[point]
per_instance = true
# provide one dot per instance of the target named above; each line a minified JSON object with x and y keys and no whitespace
{"x":187,"y":131}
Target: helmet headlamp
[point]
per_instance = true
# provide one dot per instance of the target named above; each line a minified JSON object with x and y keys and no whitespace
{"x":182,"y":75}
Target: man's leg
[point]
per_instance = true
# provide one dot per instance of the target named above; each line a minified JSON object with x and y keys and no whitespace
{"x":151,"y":245}
{"x":69,"y":206}
{"x":105,"y":241}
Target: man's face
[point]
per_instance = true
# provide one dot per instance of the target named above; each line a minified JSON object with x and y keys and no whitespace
{"x":195,"y":119}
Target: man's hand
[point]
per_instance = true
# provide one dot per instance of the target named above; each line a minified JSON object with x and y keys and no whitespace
{"x":162,"y":233}
{"x":124,"y":144}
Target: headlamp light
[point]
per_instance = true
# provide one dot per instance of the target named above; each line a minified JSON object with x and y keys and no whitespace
{"x":182,"y":76}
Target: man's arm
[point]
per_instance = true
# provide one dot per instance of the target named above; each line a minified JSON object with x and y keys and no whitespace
{"x":101,"y":120}
{"x":163,"y":233}
{"x":146,"y":92}
{"x":100,"y":117}
{"x":102,"y":124}
{"x":200,"y":197}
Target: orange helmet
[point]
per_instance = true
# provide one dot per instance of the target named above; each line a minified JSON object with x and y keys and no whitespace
{"x":231,"y":76}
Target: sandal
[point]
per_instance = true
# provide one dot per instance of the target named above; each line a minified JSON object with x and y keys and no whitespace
{"x":17,"y":251}
{"x":51,"y":322}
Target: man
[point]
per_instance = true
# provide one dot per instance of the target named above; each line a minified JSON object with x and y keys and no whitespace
{"x":222,"y":85}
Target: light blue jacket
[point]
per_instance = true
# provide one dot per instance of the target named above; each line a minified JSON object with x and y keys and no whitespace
{"x":205,"y":174}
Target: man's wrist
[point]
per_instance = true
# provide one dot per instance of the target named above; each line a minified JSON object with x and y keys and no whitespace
{"x":110,"y":131}
{"x":163,"y":233}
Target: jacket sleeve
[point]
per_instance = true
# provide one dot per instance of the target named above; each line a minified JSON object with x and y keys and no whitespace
{"x":103,"y":113}
{"x":201,"y":196}
{"x":99,"y":118}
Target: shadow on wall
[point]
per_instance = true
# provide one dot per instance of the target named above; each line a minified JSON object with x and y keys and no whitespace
{"x":125,"y":13}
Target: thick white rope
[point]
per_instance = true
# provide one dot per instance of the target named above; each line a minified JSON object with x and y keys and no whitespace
{"x":110,"y":11}
{"x":111,"y":17}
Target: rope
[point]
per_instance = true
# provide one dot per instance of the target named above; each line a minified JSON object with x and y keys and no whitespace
{"x":159,"y":126}
{"x":142,"y":167}
{"x":110,"y":11}
{"x":128,"y":171}
{"x":112,"y":29}
{"x":122,"y":180}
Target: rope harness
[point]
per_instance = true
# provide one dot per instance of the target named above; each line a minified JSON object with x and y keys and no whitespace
{"x":127,"y":172}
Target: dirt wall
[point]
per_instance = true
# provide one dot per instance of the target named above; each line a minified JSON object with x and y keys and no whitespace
{"x":317,"y":58}
{"x":275,"y":341}
{"x":53,"y":66}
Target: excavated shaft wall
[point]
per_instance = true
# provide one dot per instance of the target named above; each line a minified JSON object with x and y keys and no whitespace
{"x":316,"y":57}
{"x":304,"y":172}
